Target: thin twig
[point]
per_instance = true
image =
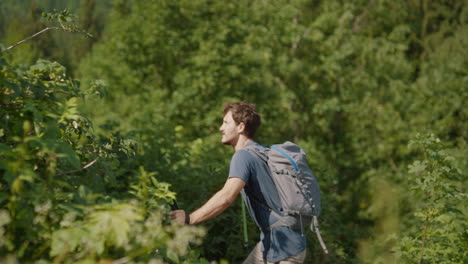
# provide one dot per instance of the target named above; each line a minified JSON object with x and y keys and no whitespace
{"x":35,"y":35}
{"x":85,"y":167}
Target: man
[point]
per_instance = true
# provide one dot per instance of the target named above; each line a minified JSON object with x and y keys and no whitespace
{"x":248,"y":171}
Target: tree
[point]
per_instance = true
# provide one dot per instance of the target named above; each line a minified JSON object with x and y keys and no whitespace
{"x":351,"y":82}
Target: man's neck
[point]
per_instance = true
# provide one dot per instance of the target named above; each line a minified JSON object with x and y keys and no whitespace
{"x":243,"y":140}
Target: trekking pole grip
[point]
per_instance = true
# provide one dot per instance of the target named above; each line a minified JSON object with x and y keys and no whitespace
{"x":174,"y":205}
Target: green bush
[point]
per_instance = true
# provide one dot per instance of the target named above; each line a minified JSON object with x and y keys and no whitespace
{"x":64,"y":192}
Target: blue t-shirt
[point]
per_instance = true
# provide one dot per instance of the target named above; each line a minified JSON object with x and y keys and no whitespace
{"x":281,"y":242}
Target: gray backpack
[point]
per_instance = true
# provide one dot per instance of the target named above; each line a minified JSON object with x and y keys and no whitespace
{"x":297,"y":187}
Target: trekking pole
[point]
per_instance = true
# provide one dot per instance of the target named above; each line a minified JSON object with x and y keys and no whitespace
{"x":244,"y":224}
{"x":174,"y":205}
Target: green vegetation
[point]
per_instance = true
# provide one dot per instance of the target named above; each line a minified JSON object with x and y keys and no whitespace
{"x":93,"y":152}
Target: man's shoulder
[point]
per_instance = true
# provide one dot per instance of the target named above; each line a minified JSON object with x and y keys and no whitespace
{"x":242,"y":163}
{"x":248,"y":149}
{"x":242,"y":154}
{"x":254,"y":145}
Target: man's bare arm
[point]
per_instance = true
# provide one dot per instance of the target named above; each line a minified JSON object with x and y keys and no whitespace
{"x":219,"y":202}
{"x":215,"y":205}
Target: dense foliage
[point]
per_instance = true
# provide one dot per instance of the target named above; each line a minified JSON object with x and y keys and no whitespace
{"x":374,"y":91}
{"x":68,"y":194}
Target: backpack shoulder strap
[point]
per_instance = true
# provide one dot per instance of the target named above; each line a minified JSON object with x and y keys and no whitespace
{"x":261,"y":154}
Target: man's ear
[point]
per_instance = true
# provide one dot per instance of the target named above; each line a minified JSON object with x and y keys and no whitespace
{"x":241,"y":127}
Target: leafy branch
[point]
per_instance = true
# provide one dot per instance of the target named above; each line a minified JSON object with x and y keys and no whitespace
{"x":66,"y":23}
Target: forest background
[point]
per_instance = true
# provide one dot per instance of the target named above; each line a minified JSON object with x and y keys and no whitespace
{"x":99,"y":134}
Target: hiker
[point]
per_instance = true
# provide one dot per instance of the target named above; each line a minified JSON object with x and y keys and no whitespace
{"x":250,"y":174}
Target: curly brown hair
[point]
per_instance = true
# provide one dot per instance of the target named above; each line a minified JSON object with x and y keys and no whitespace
{"x":246,"y":113}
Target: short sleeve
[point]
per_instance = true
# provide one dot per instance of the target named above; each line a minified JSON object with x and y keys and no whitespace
{"x":241,"y":165}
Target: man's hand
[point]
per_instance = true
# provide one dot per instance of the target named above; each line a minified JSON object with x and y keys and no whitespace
{"x":178,"y":217}
{"x":215,"y":205}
